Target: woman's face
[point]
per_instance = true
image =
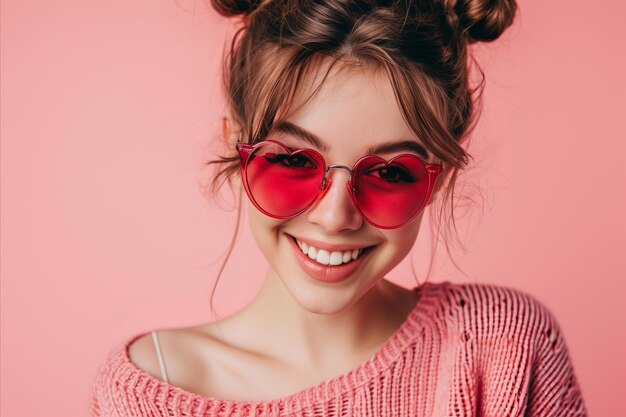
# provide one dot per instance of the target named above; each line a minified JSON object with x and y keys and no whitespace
{"x":352,"y":112}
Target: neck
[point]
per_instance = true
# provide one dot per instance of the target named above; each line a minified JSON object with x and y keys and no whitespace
{"x":327,"y":328}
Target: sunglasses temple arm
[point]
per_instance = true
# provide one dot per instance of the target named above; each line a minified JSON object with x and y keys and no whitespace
{"x":244,"y":151}
{"x":433,"y":173}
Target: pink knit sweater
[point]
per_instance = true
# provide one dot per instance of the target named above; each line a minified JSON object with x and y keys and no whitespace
{"x":464,"y":350}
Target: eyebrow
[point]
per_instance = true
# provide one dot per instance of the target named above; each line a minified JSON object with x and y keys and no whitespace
{"x":292,"y":129}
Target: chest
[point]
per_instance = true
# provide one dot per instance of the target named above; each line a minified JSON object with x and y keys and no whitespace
{"x":222,"y":372}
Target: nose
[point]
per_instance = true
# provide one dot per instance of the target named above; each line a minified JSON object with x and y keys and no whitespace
{"x":334,"y":211}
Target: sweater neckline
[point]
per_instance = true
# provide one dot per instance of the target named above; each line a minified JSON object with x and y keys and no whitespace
{"x":385,"y":356}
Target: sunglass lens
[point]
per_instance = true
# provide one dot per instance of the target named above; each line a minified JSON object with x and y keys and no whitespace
{"x":390,"y":194}
{"x":281,"y":182}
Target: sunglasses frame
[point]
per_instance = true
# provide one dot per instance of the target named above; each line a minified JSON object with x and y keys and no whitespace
{"x":245,"y":150}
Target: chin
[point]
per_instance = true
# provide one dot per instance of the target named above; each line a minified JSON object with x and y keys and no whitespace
{"x":322,"y":298}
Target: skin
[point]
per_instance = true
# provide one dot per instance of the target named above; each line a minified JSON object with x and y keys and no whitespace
{"x":299,"y":331}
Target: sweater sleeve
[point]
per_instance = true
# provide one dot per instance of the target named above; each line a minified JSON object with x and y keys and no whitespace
{"x":554,"y":389}
{"x":95,"y":405}
{"x":94,"y":400}
{"x":101,"y":388}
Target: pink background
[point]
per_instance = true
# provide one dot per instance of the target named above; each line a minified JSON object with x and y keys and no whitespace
{"x":108,"y":109}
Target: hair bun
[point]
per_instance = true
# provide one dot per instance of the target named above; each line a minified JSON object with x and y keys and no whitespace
{"x":230,"y":8}
{"x":485,"y":20}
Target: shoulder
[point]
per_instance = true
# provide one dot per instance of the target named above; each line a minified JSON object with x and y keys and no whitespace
{"x":184,"y":352}
{"x":489,"y":310}
{"x":481,"y":294}
{"x":516,"y":337}
{"x":117,"y":378}
{"x":128,"y":373}
{"x":142,"y":353}
{"x":131,"y":368}
{"x":136,"y":357}
{"x":132,"y":357}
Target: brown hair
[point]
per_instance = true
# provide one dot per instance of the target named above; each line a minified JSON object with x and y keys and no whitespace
{"x":422,"y":45}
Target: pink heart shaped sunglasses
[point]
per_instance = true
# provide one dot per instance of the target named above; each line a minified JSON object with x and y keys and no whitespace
{"x":283,"y":183}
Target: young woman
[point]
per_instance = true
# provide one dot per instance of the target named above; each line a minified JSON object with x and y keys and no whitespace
{"x":345,"y":121}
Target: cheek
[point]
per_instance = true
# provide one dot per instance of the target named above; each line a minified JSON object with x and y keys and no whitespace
{"x":264,"y":229}
{"x":398,"y":244}
{"x":403,"y":242}
{"x":403,"y":239}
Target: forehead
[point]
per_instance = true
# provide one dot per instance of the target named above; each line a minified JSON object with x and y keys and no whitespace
{"x":354,"y":110}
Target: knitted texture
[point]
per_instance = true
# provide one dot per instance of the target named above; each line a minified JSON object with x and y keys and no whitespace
{"x":464,"y":350}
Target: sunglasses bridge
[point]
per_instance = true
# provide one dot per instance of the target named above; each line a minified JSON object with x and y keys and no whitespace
{"x":328,"y":168}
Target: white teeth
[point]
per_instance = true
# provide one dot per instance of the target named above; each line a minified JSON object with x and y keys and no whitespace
{"x":324,"y":257}
{"x":336,"y":258}
{"x":347,"y":256}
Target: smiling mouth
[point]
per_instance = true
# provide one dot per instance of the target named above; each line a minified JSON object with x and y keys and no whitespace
{"x":328,"y":257}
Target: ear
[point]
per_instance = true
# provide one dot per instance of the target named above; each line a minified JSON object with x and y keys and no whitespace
{"x":231,"y":134}
{"x":231,"y":130}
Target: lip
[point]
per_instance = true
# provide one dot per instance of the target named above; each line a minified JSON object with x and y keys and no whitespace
{"x":327,"y":273}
